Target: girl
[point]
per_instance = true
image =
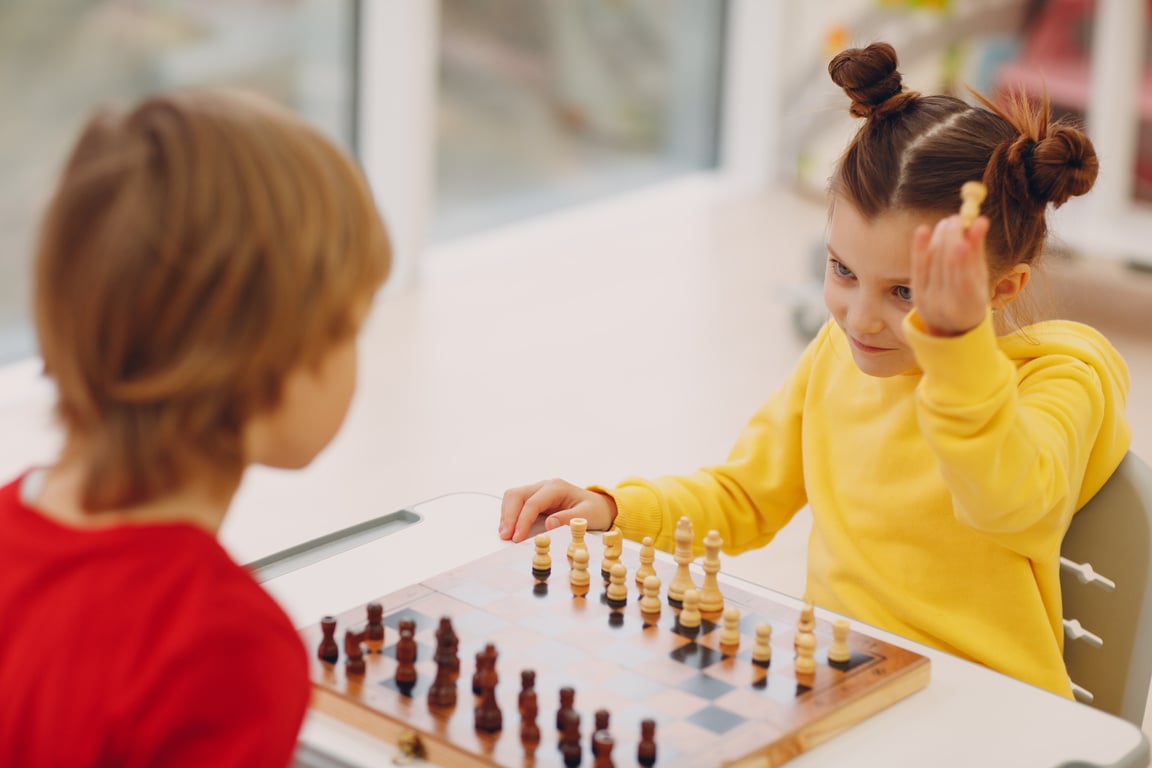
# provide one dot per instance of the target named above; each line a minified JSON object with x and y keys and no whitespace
{"x":942,"y":447}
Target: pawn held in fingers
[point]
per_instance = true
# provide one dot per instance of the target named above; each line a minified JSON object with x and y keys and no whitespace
{"x":558,"y":502}
{"x":950,"y":285}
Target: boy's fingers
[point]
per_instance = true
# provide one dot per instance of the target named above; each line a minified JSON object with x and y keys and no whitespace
{"x":545,"y":498}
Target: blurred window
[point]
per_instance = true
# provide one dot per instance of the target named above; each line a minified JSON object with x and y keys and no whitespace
{"x":545,"y":104}
{"x":59,"y":59}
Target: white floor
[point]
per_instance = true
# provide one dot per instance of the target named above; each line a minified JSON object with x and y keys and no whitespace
{"x":632,"y":337}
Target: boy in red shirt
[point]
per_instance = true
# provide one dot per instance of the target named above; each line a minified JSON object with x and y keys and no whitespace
{"x":201,"y":276}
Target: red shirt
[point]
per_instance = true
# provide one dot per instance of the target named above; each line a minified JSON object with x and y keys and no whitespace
{"x":139,"y":645}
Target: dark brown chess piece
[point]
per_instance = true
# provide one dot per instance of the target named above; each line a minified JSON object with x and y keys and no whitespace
{"x":353,"y":654}
{"x":646,"y":749}
{"x":406,"y":657}
{"x":328,"y":650}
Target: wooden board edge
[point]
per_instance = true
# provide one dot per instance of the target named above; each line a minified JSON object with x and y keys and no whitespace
{"x":901,"y":685}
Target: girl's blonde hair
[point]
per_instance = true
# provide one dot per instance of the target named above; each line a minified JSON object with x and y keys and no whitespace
{"x":198,"y":248}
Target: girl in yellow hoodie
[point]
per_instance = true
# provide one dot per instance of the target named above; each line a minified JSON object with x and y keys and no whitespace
{"x":942,"y":447}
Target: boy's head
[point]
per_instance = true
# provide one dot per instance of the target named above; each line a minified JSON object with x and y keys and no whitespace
{"x":199,"y":248}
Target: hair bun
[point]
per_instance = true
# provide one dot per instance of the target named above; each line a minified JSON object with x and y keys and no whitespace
{"x":869,"y":77}
{"x":1064,"y":165}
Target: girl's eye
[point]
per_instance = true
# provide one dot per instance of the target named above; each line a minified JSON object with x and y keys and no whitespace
{"x":903,"y":292}
{"x":839,"y":268}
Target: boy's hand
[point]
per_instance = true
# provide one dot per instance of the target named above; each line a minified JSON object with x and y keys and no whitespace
{"x":950,"y":284}
{"x":560,"y":501}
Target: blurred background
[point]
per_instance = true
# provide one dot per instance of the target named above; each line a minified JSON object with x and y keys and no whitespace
{"x":475,"y":114}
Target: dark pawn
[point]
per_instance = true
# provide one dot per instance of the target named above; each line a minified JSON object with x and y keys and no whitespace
{"x":527,"y":685}
{"x":374,"y":629}
{"x":602,"y":743}
{"x":529,"y":731}
{"x":353,"y":654}
{"x":488,"y":716}
{"x":406,"y":657}
{"x":328,"y":651}
{"x":646,"y":750}
{"x":485,"y":659}
{"x":570,"y":739}
{"x":567,"y":704}
{"x":448,"y":644}
{"x":601,"y":724}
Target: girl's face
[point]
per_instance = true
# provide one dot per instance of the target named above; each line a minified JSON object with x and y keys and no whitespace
{"x":866,"y":285}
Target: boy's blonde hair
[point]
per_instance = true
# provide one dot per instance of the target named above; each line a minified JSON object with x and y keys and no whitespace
{"x":198,"y":248}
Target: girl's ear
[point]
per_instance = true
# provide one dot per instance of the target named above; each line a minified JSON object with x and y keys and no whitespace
{"x":1008,"y":286}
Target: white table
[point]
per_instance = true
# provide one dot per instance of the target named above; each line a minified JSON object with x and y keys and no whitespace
{"x":967,"y":716}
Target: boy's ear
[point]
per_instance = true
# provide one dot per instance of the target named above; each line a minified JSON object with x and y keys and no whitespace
{"x":1009,"y":285}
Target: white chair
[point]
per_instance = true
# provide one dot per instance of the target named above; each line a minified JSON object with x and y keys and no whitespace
{"x":1106,"y":580}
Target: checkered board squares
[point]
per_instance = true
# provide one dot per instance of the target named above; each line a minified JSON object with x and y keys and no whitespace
{"x":712,"y":704}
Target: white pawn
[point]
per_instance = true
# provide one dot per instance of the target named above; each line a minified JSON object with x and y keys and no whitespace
{"x":730,"y":634}
{"x":972,"y":194}
{"x":805,"y":653}
{"x":613,"y":547}
{"x":647,"y":556}
{"x":650,"y":602}
{"x":578,"y":527}
{"x":839,"y":651}
{"x":690,"y":613}
{"x":579,"y":576}
{"x":542,"y":560}
{"x":762,"y":648}
{"x":806,"y":624}
{"x":617,"y":589}
{"x":682,"y":579}
{"x":711,"y":599}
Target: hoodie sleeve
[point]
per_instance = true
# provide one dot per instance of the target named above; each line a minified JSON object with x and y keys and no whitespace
{"x":1025,"y":429}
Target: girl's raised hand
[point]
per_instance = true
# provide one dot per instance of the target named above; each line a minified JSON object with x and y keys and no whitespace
{"x":559,"y":501}
{"x":950,"y":284}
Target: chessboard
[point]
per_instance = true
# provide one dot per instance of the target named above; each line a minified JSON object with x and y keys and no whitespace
{"x":711,"y":702}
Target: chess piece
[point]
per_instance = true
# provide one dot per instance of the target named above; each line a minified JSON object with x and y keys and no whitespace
{"x":601,"y":718}
{"x":328,"y":650}
{"x":647,"y":557}
{"x":353,"y":655}
{"x":613,"y":547}
{"x":448,"y":644}
{"x":374,"y":628}
{"x":807,"y":622}
{"x":529,"y":730}
{"x":838,"y":652}
{"x":646,"y":748}
{"x":602,"y":743}
{"x":579,"y":577}
{"x":578,"y":526}
{"x":485,"y":659}
{"x":972,"y":194}
{"x":617,"y":588}
{"x":805,"y":653}
{"x":690,"y":613}
{"x":542,"y":560}
{"x":762,"y":647}
{"x":730,"y":632}
{"x":527,"y":685}
{"x":488,"y":717}
{"x":711,"y":599}
{"x":442,"y":693}
{"x":570,"y":747}
{"x":682,"y":579}
{"x":567,"y":704}
{"x":406,"y":657}
{"x":650,"y":602}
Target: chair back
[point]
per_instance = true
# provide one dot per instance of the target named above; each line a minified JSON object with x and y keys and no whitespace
{"x":1106,"y":583}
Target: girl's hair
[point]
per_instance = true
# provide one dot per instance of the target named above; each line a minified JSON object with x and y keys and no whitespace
{"x":914,"y":153}
{"x":197,"y":249}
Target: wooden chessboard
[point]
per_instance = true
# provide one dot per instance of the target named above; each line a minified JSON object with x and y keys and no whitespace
{"x":711,"y":707}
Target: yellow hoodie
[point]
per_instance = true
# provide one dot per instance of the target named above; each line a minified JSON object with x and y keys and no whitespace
{"x":939,"y":497}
